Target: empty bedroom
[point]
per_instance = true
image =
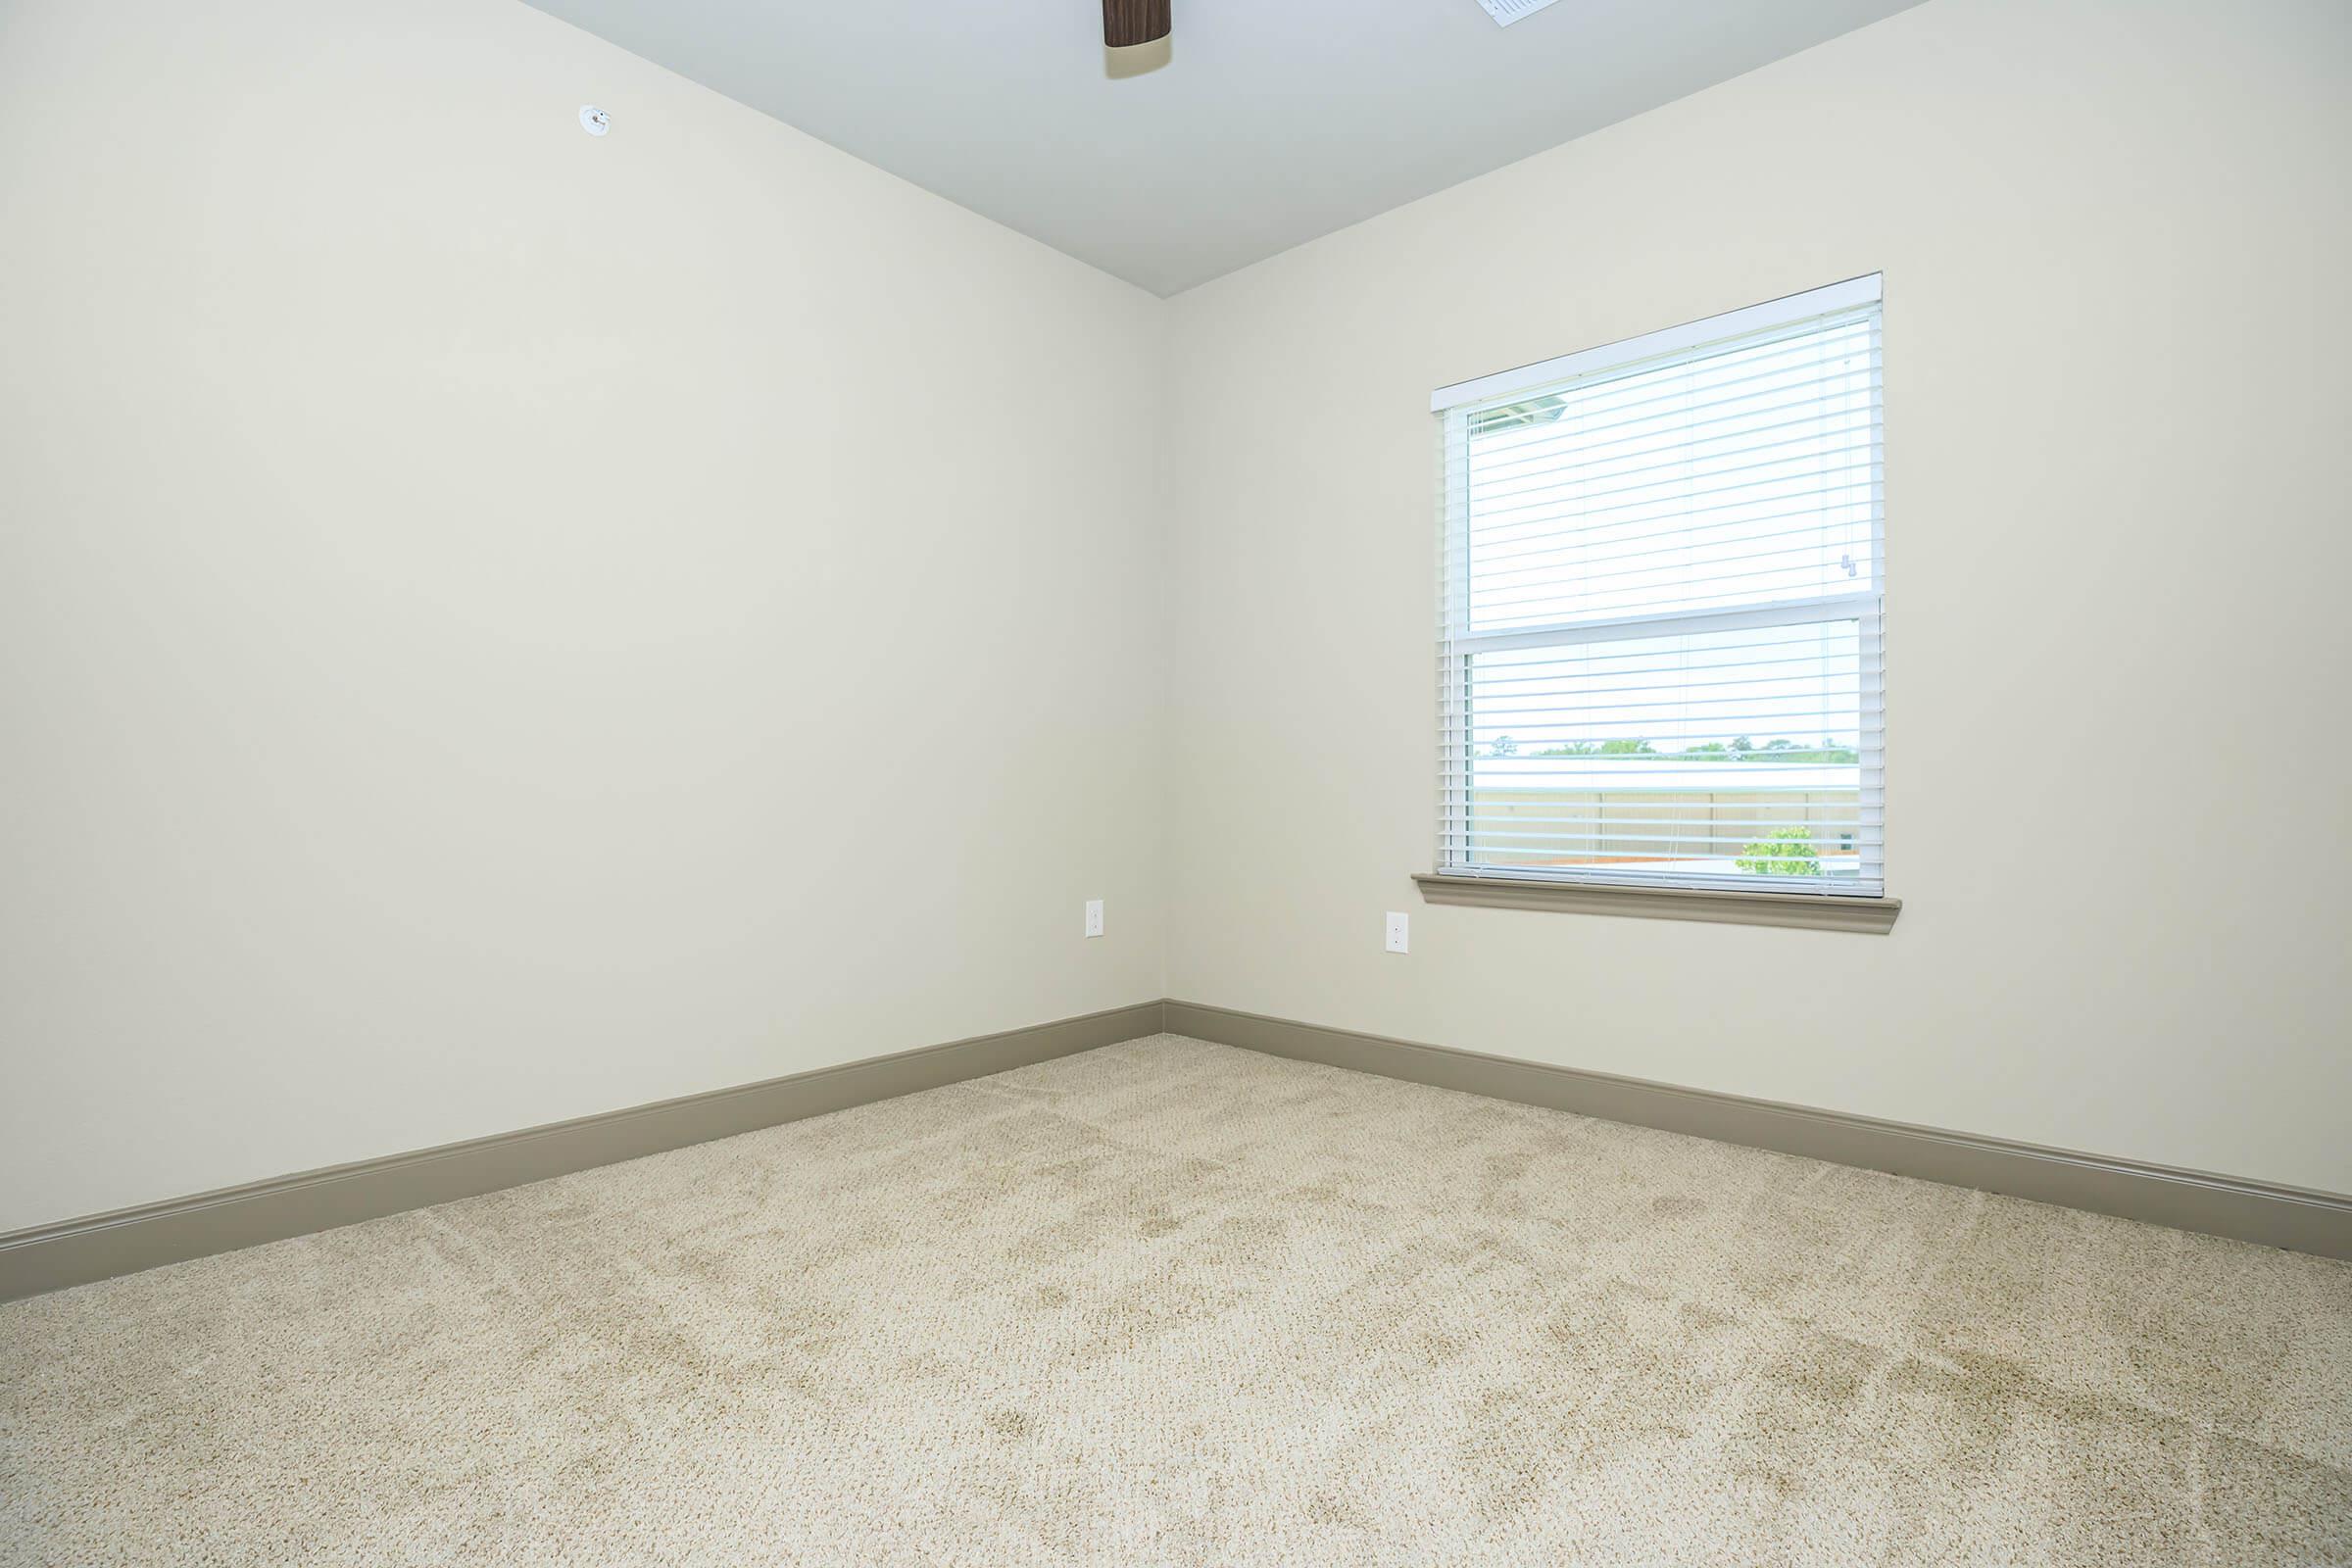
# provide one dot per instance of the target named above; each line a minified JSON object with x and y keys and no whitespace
{"x":1176,"y":782}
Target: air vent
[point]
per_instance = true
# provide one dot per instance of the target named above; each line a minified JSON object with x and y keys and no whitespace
{"x":1506,"y":11}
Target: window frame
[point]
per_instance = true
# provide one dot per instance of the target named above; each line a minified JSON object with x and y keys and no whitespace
{"x":1618,"y":889}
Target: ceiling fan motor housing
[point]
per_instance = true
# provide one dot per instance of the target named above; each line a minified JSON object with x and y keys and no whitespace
{"x":1127,"y":22}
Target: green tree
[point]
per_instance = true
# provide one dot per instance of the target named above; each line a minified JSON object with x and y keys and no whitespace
{"x":1785,"y":851}
{"x":1601,"y":748}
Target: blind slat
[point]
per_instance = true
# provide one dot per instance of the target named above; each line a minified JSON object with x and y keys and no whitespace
{"x":1541,"y":526}
{"x":1584,"y":485}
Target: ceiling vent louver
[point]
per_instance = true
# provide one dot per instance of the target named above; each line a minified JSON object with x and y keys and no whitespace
{"x":1506,"y":11}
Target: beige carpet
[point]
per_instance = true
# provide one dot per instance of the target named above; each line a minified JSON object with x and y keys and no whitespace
{"x":1170,"y":1302}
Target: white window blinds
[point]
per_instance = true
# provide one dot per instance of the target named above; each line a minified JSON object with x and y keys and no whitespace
{"x":1663,"y":607}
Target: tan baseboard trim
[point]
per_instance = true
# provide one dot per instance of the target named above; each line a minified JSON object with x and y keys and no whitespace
{"x":2296,"y":1219}
{"x":76,"y":1251}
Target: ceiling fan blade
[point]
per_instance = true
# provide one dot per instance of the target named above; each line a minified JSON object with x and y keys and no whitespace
{"x":1127,"y":22}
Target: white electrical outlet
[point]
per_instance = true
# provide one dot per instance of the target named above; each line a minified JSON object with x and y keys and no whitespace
{"x":1399,"y":932}
{"x":1094,"y":917}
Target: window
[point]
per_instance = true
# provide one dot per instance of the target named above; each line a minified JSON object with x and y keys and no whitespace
{"x":1662,"y":606}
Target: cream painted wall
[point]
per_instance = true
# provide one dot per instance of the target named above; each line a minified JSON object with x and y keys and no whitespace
{"x":497,"y":626}
{"x":2116,"y":238}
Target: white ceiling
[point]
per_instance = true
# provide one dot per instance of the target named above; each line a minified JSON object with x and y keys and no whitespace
{"x":1272,"y":122}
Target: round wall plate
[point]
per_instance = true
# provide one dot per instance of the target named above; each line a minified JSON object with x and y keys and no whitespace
{"x":594,"y":121}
